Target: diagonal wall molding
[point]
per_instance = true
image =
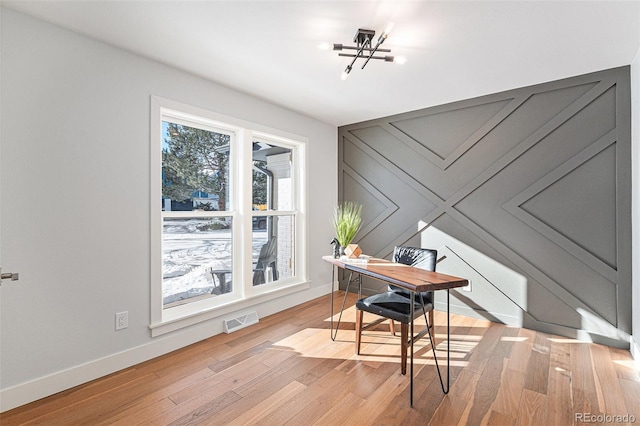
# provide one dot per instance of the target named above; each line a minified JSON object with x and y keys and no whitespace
{"x":515,"y":207}
{"x":388,"y":206}
{"x":507,"y":106}
{"x":536,"y":184}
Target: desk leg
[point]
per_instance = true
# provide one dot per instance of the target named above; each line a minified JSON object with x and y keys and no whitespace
{"x":412,"y":311}
{"x":344,"y":300}
{"x":333,"y":286}
{"x":433,"y":348}
{"x":445,"y":391}
{"x":448,"y":344}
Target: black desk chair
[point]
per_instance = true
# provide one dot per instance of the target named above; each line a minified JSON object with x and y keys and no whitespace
{"x":395,"y":304}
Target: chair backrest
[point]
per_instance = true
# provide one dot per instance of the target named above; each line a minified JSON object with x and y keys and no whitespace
{"x":267,"y":253}
{"x":417,"y":257}
{"x":267,"y":257}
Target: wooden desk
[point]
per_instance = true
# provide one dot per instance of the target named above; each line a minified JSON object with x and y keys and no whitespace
{"x":405,"y":276}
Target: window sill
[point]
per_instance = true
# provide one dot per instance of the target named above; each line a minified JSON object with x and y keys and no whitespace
{"x":172,"y":321}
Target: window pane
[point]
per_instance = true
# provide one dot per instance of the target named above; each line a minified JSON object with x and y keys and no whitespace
{"x":273,"y":250}
{"x":195,"y":168}
{"x":196,"y":258}
{"x":272,"y":186}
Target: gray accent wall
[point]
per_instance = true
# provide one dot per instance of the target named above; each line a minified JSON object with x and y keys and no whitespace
{"x":527,"y":193}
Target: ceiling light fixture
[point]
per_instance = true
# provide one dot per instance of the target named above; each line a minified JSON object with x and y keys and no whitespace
{"x":363,"y":44}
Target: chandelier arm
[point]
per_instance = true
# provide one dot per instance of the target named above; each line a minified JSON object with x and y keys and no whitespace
{"x":367,"y":49}
{"x":348,"y":55}
{"x":371,"y":54}
{"x":359,"y":54}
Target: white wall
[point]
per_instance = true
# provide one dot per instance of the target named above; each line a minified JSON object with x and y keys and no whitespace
{"x":75,"y":137}
{"x":635,"y":154}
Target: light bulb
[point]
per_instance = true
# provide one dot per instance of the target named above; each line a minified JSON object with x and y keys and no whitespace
{"x":345,"y":73}
{"x":385,"y":33}
{"x":400,"y":60}
{"x":388,"y":28}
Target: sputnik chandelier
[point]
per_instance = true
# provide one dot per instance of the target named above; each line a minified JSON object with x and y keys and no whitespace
{"x":365,"y":50}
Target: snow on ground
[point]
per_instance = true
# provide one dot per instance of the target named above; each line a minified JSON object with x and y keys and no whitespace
{"x":191,"y":250}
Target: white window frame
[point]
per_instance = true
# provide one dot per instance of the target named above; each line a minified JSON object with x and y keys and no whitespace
{"x":244,"y":294}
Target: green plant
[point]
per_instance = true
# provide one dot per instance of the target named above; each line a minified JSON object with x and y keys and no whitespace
{"x":346,"y":221}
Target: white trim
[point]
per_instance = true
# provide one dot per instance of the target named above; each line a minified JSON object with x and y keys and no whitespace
{"x":27,"y":392}
{"x":155,"y":220}
{"x":223,"y":121}
{"x":177,"y":322}
{"x":635,"y":351}
{"x":242,"y":135}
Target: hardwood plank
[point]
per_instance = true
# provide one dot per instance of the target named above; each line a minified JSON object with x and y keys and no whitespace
{"x":138,"y":414}
{"x":201,"y":414}
{"x":500,"y":419}
{"x":626,"y":367}
{"x":486,"y":390}
{"x":559,"y":392}
{"x":321,"y":401}
{"x":379,"y":401}
{"x":606,"y":381}
{"x":538,"y":367}
{"x":228,"y":379}
{"x":483,"y":351}
{"x":310,"y":402}
{"x":159,"y":399}
{"x":336,"y":414}
{"x":583,"y":389}
{"x":492,"y":358}
{"x":630,"y":391}
{"x":532,"y":409}
{"x":507,"y":400}
{"x":519,"y":359}
{"x":268,"y":404}
{"x":68,"y":398}
{"x":450,"y":411}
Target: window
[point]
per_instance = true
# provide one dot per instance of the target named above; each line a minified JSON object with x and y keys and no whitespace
{"x":227,"y":214}
{"x":273,"y":217}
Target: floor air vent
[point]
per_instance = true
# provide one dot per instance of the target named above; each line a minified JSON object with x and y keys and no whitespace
{"x":241,"y":321}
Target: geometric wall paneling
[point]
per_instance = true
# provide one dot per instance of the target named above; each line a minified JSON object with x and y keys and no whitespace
{"x":484,"y":291}
{"x":557,"y":302}
{"x":398,"y":188}
{"x":511,"y":274}
{"x":545,"y":149}
{"x":379,"y":207}
{"x":586,"y":183}
{"x":526,"y":192}
{"x":384,"y":145}
{"x":529,"y":138}
{"x":446,"y":140}
{"x":535,"y":157}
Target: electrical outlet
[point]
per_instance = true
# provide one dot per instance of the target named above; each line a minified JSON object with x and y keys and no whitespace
{"x":122,"y":320}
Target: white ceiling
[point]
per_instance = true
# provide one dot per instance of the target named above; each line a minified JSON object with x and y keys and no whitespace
{"x":455,"y":49}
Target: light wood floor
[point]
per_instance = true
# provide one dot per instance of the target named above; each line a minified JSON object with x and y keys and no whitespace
{"x":286,"y":370}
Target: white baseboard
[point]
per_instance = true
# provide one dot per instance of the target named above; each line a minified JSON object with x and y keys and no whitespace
{"x":59,"y":381}
{"x":635,"y":350}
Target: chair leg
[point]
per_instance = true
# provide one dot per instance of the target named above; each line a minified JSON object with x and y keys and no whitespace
{"x":404,"y":345}
{"x":392,"y":327}
{"x":359,"y":315}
